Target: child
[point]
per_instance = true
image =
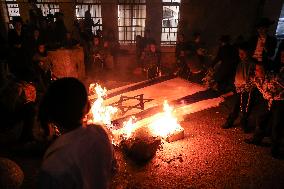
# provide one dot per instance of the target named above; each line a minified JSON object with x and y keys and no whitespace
{"x":81,"y":157}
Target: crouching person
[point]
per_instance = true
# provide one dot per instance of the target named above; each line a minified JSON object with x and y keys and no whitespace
{"x":81,"y":157}
{"x":272,"y":89}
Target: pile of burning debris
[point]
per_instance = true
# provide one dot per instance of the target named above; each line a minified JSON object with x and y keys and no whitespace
{"x":140,"y":139}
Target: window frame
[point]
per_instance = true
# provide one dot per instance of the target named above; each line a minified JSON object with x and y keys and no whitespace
{"x":129,"y":28}
{"x":94,"y":17}
{"x":51,"y":6}
{"x":170,"y":3}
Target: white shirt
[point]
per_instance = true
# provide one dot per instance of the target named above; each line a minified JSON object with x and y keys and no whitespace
{"x":82,"y":158}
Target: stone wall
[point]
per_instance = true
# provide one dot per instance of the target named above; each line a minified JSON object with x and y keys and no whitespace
{"x":214,"y":18}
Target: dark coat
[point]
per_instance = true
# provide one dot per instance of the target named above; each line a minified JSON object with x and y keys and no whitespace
{"x":268,"y":51}
{"x":228,"y":57}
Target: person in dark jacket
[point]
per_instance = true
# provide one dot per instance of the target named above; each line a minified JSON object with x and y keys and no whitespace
{"x":227,"y":58}
{"x":60,"y":29}
{"x":263,"y":45}
{"x":18,"y":59}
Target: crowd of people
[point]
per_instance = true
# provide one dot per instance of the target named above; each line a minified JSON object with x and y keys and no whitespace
{"x":253,"y":69}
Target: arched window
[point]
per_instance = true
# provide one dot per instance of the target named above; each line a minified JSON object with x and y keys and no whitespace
{"x":95,"y":9}
{"x":170,"y":21}
{"x":131,"y":19}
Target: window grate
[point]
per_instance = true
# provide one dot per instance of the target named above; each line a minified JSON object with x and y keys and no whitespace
{"x":131,"y":19}
{"x":48,"y":6}
{"x":95,"y":9}
{"x":170,"y":21}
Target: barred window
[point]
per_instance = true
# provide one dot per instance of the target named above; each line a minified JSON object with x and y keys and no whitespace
{"x":131,"y":19}
{"x":12,"y":9}
{"x":170,"y":21}
{"x":95,"y":9}
{"x":48,"y":6}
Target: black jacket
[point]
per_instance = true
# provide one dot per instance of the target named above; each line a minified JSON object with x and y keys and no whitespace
{"x":268,"y":51}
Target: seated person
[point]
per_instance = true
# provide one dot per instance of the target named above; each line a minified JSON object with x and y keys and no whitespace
{"x":197,"y":53}
{"x":97,"y":52}
{"x":42,"y":65}
{"x":69,"y":42}
{"x":151,"y":60}
{"x":82,"y":156}
{"x":18,"y":111}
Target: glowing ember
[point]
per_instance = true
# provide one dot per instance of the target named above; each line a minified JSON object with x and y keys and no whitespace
{"x":126,"y":132}
{"x":166,"y":123}
{"x":99,"y":112}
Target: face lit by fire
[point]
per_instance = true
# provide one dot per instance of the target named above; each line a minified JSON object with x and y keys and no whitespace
{"x":152,"y":48}
{"x":259,"y":71}
{"x":96,"y":41}
{"x":41,"y":48}
{"x":243,"y":54}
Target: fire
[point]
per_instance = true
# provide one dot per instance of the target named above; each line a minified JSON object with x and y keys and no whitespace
{"x":99,"y":112}
{"x":126,"y":132}
{"x":165,"y":124}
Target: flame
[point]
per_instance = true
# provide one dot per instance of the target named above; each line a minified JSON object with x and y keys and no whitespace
{"x":99,"y":112}
{"x":126,"y":132}
{"x":128,"y":128}
{"x":162,"y":125}
{"x":166,"y":124}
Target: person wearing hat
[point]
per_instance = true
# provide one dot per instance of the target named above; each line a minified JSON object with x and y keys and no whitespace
{"x":243,"y":88}
{"x":263,"y":45}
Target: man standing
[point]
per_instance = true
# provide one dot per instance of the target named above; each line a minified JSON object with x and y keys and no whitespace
{"x":243,"y":88}
{"x":263,"y":45}
{"x":272,"y":89}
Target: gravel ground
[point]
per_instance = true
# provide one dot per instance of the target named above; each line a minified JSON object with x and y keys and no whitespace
{"x":208,"y":157}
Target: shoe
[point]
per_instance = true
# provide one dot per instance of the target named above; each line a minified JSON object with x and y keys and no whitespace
{"x":229,"y":123}
{"x":253,"y":141}
{"x":275,"y":153}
